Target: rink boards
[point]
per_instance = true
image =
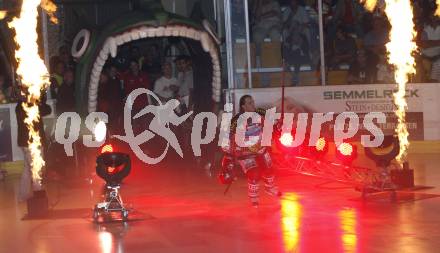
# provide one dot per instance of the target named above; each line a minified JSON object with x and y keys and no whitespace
{"x":423,"y":115}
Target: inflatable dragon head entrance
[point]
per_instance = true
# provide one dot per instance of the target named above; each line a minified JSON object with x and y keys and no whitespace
{"x":148,"y":20}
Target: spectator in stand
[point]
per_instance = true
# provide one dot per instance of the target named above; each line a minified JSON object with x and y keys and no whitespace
{"x":238,"y":28}
{"x":343,"y":51}
{"x":134,"y":79}
{"x":65,"y":57}
{"x":419,"y":17}
{"x":166,"y":87}
{"x":113,"y":74}
{"x":327,"y":11}
{"x":122,"y":60}
{"x":135,"y":53}
{"x":266,"y":22}
{"x":385,"y":73}
{"x":296,"y":38}
{"x":348,"y":13}
{"x":430,"y":45}
{"x":375,"y":40}
{"x":360,"y":71}
{"x":327,"y":19}
{"x":5,"y":90}
{"x":152,"y":60}
{"x":185,"y":79}
{"x":115,"y":77}
{"x":57,"y":78}
{"x":423,"y":10}
{"x":110,"y":98}
{"x":66,"y":93}
{"x":296,"y":15}
{"x":311,"y":8}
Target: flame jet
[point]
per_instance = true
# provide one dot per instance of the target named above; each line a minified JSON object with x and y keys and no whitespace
{"x":33,"y":75}
{"x":400,"y":54}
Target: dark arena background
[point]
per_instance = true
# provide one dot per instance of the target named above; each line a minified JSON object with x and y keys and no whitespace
{"x":339,"y":73}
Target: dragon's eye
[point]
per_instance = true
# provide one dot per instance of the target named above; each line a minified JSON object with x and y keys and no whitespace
{"x":80,"y":43}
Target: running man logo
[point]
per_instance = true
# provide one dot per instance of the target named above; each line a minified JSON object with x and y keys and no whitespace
{"x":164,"y":115}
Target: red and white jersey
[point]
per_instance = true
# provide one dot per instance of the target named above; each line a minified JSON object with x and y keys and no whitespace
{"x":132,"y":82}
{"x":252,"y":131}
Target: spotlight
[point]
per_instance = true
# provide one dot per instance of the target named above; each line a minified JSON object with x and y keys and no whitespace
{"x":320,"y":149}
{"x":286,"y":139}
{"x":113,"y":168}
{"x":383,"y":157}
{"x":345,"y":149}
{"x":284,"y":142}
{"x":385,"y":153}
{"x":346,"y":153}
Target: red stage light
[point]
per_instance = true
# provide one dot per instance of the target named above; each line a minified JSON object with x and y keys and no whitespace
{"x":108,"y":148}
{"x":286,"y":139}
{"x":346,"y":152}
{"x":345,"y":149}
{"x":320,"y":149}
{"x":321,"y":144}
{"x":285,"y":144}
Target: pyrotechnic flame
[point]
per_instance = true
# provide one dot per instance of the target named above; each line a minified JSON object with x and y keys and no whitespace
{"x":50,"y":9}
{"x":34,"y":77}
{"x":3,"y":14}
{"x":437,"y":12}
{"x":370,"y":4}
{"x":400,"y":50}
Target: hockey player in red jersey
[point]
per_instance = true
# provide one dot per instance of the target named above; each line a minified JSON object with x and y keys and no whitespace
{"x":255,"y":160}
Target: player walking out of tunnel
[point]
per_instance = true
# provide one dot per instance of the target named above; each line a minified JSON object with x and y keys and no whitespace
{"x":255,"y":160}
